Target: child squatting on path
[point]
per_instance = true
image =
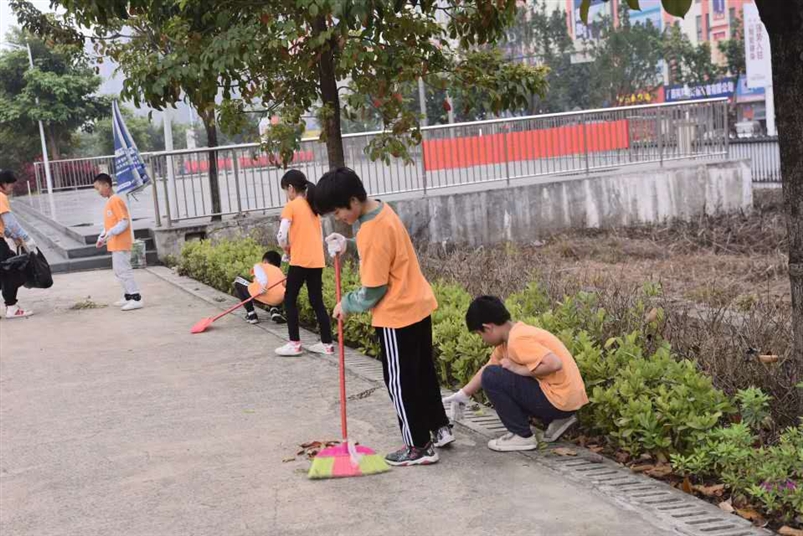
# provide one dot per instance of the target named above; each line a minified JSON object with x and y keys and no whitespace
{"x":401,"y":304}
{"x":530,"y":374}
{"x":118,"y":237}
{"x":10,"y":227}
{"x":300,"y":235}
{"x":263,"y":288}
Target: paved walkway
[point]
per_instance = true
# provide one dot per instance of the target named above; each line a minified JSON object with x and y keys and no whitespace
{"x":124,"y":423}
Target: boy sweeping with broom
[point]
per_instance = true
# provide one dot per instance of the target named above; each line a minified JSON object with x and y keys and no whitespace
{"x":401,"y":302}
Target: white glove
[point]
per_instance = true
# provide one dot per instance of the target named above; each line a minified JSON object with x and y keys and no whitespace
{"x":30,"y":245}
{"x":285,"y":258}
{"x":102,"y":239}
{"x":335,"y":243}
{"x":457,"y":403}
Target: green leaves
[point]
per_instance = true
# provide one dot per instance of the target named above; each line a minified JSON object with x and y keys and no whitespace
{"x":676,"y":8}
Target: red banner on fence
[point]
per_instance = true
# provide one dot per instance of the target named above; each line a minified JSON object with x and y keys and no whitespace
{"x":245,"y":162}
{"x":527,"y":145}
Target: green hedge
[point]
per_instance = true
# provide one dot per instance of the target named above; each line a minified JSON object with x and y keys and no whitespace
{"x":643,"y":398}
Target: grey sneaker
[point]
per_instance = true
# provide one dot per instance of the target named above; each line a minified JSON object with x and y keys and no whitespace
{"x":511,"y":442}
{"x":443,"y":436}
{"x":413,"y":456}
{"x":558,"y":427}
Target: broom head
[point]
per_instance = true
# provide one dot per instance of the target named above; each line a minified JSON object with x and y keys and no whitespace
{"x":201,"y":325}
{"x":347,"y":459}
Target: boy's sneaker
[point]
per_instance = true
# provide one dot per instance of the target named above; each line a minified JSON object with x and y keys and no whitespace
{"x":557,"y":428}
{"x":413,"y":456}
{"x":120,"y":302}
{"x":251,"y":317}
{"x":132,"y":305}
{"x":277,"y":316}
{"x":14,"y":311}
{"x":290,"y":349}
{"x":443,"y":436}
{"x":511,"y":442}
{"x":321,"y":348}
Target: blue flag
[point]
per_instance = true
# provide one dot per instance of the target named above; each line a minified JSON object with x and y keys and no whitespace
{"x":131,"y":173}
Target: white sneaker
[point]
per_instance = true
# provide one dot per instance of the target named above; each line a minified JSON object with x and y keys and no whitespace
{"x":131,"y":305}
{"x":15,"y":311}
{"x":511,"y":442}
{"x":321,"y":348}
{"x":120,"y":302}
{"x":290,"y":349}
{"x":557,"y":427}
{"x":443,"y":436}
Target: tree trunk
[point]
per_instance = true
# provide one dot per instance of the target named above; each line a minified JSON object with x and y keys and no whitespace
{"x":208,"y":117}
{"x":331,"y":99}
{"x":54,"y":154}
{"x":785,"y":29}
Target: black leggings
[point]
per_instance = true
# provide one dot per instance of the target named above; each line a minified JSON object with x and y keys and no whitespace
{"x":296,"y":277}
{"x":10,"y":285}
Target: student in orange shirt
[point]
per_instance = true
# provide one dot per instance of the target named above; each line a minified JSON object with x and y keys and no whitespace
{"x":401,"y":304}
{"x":118,"y":237}
{"x":10,"y":227}
{"x":530,"y":374}
{"x":264,"y":288}
{"x":301,"y":236}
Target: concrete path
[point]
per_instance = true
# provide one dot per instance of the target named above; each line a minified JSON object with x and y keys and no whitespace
{"x":124,"y":423}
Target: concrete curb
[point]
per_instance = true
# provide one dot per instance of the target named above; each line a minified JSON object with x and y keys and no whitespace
{"x":656,"y":501}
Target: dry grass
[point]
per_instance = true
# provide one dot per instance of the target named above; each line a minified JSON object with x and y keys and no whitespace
{"x":724,"y":281}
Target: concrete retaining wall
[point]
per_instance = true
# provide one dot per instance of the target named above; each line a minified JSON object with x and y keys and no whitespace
{"x":530,"y":211}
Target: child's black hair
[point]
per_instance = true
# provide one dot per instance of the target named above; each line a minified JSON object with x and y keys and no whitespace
{"x":299,"y":182}
{"x":337,"y":188}
{"x":103,"y":178}
{"x":486,"y":310}
{"x":7,"y":177}
{"x":272,"y":257}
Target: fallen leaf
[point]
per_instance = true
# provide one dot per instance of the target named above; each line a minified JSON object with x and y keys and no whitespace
{"x":661,"y":457}
{"x":289,"y":459}
{"x":645,"y":456}
{"x":594,"y":458}
{"x":642,"y":468}
{"x":767,"y":359}
{"x":596,"y":449}
{"x":582,"y":440}
{"x":710,"y":491}
{"x":686,"y":485}
{"x":750,"y":514}
{"x":659,"y":471}
{"x":789,"y":531}
{"x":563,"y":451}
{"x":622,"y":456}
{"x":651,"y":316}
{"x":727,"y":506}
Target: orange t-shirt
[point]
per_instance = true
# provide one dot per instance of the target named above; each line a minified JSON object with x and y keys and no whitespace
{"x":115,"y":212}
{"x":306,"y":236}
{"x":4,"y":207}
{"x":387,"y":258}
{"x":275,"y":295}
{"x":527,"y":345}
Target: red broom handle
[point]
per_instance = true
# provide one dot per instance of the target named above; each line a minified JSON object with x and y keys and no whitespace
{"x":227,"y":311}
{"x":342,"y":348}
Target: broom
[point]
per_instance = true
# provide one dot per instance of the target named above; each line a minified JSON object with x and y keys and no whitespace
{"x":347,"y":458}
{"x":204,"y":323}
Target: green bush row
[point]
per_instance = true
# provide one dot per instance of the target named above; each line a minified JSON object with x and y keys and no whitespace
{"x":643,"y":398}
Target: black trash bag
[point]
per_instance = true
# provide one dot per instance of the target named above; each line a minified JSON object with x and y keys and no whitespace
{"x":38,"y":273}
{"x":14,"y":269}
